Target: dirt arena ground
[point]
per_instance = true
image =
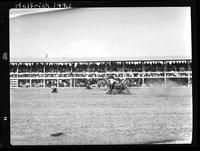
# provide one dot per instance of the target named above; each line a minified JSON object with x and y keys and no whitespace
{"x":82,"y":116}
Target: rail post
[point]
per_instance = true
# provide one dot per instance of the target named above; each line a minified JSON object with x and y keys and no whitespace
{"x":165,"y":79}
{"x":30,"y":82}
{"x":70,"y":82}
{"x":74,"y":82}
{"x":143,"y":72}
{"x":143,"y":78}
{"x":57,"y":83}
{"x":44,"y":83}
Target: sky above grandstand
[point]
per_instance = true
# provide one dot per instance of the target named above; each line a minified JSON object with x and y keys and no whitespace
{"x":100,"y":32}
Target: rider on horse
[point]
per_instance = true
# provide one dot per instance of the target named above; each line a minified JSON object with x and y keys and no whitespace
{"x":117,"y":85}
{"x":112,"y":83}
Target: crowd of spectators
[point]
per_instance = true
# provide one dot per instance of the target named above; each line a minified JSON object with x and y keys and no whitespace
{"x":40,"y":83}
{"x":133,"y":71}
{"x":101,"y":67}
{"x":179,"y":66}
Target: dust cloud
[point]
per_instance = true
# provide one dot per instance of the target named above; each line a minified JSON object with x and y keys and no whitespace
{"x":158,"y":88}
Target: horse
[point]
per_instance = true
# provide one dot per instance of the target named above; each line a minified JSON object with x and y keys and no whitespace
{"x":101,"y":83}
{"x":119,"y":87}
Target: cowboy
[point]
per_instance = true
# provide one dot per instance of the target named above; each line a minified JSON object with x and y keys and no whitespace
{"x":112,"y":82}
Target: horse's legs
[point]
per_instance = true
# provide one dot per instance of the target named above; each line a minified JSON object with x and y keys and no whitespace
{"x":109,"y":90}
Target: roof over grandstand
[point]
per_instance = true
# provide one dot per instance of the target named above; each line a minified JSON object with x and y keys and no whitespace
{"x":100,"y":59}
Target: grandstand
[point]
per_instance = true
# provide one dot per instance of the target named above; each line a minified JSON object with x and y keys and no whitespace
{"x":74,"y":72}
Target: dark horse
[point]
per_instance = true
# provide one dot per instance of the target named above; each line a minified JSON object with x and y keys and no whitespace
{"x":118,"y":87}
{"x":101,"y":83}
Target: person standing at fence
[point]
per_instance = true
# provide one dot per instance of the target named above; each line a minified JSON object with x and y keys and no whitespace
{"x":54,"y":88}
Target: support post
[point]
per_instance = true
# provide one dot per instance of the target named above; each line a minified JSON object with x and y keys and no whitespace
{"x":44,"y":85}
{"x":142,"y":78}
{"x":17,"y":70}
{"x":123,"y":68}
{"x":88,"y":66}
{"x":143,"y":71}
{"x":44,"y":76}
{"x":74,"y":81}
{"x":70,"y":82}
{"x":164,"y":66}
{"x":72,"y":65}
{"x":143,"y":66}
{"x":31,"y":68}
{"x":106,"y":69}
{"x":17,"y":76}
{"x":164,"y":70}
{"x":57,"y":67}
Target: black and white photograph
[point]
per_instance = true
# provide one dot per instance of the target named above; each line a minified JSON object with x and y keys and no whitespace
{"x":100,"y":76}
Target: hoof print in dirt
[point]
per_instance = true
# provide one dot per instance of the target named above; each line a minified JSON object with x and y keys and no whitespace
{"x":57,"y":134}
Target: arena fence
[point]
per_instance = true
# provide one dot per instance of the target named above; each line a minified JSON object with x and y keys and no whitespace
{"x":79,"y":79}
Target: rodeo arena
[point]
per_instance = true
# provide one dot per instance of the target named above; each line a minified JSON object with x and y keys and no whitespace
{"x":149,"y":102}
